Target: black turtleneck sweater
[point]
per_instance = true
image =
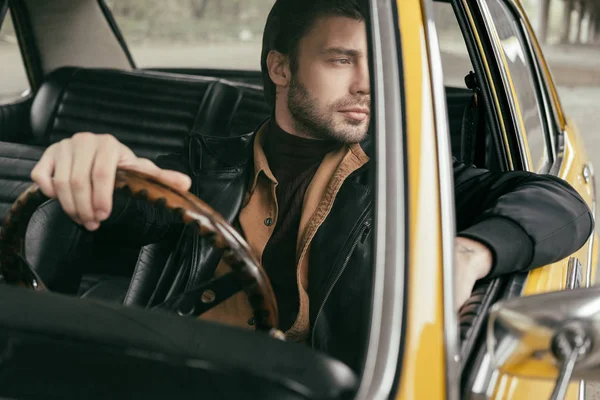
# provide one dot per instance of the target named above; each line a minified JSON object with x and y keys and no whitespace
{"x":294,"y":162}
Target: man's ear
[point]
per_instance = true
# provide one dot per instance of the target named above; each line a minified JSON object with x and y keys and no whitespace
{"x":279,"y":68}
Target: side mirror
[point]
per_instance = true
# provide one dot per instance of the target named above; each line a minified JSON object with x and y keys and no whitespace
{"x":552,"y":335}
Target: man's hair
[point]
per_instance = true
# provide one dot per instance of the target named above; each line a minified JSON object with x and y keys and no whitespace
{"x":289,"y":21}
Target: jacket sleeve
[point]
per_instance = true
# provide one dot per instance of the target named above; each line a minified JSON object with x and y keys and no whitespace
{"x":135,"y":222}
{"x":527,"y":220}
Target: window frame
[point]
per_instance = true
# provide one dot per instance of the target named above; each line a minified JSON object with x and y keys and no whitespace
{"x":25,"y":94}
{"x":3,"y":11}
{"x":525,"y":43}
{"x":552,"y":106}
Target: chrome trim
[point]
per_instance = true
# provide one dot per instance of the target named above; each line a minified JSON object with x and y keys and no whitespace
{"x":590,"y":254}
{"x":383,"y":352}
{"x":581,"y":395}
{"x":548,"y":114}
{"x":574,"y":274}
{"x":566,"y":370}
{"x":509,"y":96}
{"x":485,"y":380}
{"x":587,"y":174}
{"x":560,"y":154}
{"x":446,"y":179}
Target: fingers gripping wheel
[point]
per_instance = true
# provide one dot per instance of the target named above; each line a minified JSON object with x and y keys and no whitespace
{"x":192,"y":210}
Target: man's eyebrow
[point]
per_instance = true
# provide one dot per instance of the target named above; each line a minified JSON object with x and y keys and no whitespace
{"x":342,"y":51}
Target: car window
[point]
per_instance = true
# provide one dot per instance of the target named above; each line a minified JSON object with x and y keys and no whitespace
{"x":221,"y":34}
{"x":455,"y":57}
{"x":519,"y":79}
{"x":13,"y":77}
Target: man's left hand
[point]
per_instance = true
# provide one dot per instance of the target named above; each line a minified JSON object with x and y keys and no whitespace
{"x":473,"y":262}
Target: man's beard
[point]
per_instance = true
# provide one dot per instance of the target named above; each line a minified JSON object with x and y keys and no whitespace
{"x":308,"y":118}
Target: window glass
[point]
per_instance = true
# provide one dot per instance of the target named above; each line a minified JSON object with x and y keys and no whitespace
{"x":223,"y":34}
{"x":13,"y":77}
{"x":455,"y":57}
{"x":519,"y":77}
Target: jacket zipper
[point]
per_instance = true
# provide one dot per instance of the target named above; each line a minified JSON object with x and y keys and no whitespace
{"x":358,"y":236}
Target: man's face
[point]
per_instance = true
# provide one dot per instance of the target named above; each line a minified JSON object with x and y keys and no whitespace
{"x":329,"y":94}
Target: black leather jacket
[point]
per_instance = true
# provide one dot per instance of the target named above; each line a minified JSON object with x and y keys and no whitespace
{"x":527,"y":220}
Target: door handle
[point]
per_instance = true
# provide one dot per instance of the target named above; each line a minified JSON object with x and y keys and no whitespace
{"x":574,"y":273}
{"x":587,"y":173}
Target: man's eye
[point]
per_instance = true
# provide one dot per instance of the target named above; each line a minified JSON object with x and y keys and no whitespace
{"x":342,"y":61}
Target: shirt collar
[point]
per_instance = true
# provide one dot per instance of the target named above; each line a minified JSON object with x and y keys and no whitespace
{"x":260,"y":159}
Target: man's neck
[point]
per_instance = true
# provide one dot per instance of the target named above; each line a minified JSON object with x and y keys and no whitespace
{"x":290,"y":155}
{"x":286,"y":122}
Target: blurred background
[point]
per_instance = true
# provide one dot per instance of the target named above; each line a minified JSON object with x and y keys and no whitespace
{"x":227,"y":34}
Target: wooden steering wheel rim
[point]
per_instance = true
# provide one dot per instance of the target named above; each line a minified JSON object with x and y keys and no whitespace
{"x":189,"y":208}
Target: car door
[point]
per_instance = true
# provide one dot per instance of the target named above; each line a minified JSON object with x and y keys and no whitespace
{"x":15,"y":97}
{"x":547,"y":142}
{"x":571,"y":163}
{"x":538,"y":140}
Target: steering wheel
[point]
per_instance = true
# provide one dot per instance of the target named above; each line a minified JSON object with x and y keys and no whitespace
{"x":191,"y":210}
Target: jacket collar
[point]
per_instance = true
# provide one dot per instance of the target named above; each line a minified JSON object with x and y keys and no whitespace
{"x":261,"y":165}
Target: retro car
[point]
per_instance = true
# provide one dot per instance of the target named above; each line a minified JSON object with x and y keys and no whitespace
{"x":462,"y":78}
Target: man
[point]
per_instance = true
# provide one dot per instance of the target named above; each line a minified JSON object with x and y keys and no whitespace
{"x":307,"y":211}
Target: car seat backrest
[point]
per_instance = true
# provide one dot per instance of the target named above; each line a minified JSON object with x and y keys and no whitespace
{"x":16,"y":163}
{"x":251,"y":110}
{"x":152,"y":113}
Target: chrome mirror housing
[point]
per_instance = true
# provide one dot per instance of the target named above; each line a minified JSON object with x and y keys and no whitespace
{"x":552,"y":335}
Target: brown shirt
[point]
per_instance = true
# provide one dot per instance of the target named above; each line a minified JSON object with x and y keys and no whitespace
{"x":261,"y":209}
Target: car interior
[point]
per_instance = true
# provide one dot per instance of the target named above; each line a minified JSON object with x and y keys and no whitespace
{"x":156,"y":112}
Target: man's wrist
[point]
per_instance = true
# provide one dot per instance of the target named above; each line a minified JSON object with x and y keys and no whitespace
{"x":475,"y":256}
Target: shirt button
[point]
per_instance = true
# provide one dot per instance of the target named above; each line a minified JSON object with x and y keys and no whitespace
{"x":269,"y":221}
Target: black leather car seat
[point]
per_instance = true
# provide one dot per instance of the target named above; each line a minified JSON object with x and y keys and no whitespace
{"x":63,"y":253}
{"x":152,"y":113}
{"x":16,"y":163}
{"x":250,"y":111}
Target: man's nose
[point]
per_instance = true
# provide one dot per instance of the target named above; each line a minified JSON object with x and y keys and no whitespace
{"x":362,"y":82}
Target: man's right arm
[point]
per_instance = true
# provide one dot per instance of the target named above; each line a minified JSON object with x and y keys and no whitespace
{"x":80,"y":173}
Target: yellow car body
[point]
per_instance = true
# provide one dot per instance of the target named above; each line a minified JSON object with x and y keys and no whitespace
{"x":429,"y":369}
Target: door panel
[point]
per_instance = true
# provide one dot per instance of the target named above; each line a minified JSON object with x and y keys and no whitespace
{"x":572,"y":162}
{"x":544,"y":146}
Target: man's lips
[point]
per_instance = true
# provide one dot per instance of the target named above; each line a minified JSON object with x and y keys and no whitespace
{"x":356,"y":113}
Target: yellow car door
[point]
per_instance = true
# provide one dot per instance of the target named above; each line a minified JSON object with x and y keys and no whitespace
{"x":537,"y":138}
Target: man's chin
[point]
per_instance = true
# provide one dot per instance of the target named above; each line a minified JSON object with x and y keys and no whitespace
{"x":351,"y":132}
{"x":350,"y":136}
